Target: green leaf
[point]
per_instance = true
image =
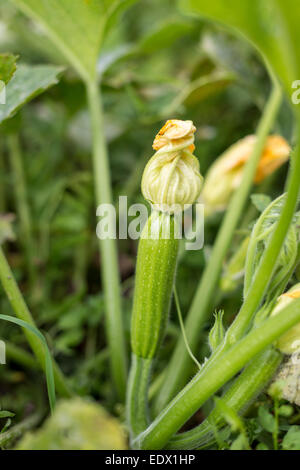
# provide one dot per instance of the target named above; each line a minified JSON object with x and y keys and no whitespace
{"x":238,"y":443}
{"x":6,"y":414}
{"x":260,"y":201}
{"x":7,"y":67}
{"x":272,"y":26}
{"x":198,"y":90}
{"x":77,"y":27}
{"x":217,"y":333}
{"x":291,"y":440}
{"x":28,"y":82}
{"x":163,"y":36}
{"x":262,"y":446}
{"x":266,"y":419}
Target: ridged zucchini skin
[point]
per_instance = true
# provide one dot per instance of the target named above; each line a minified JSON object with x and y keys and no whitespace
{"x":155,"y":274}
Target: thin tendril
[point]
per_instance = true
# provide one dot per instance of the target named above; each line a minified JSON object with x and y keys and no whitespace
{"x":183,"y":330}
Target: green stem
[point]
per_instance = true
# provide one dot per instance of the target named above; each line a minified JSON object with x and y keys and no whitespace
{"x":108,"y":248}
{"x":23,"y":211}
{"x":239,"y":397}
{"x":208,"y":382}
{"x":21,"y":311}
{"x":137,"y":394}
{"x":180,"y":365}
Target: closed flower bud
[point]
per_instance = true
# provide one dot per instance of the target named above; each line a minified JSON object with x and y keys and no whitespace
{"x":288,"y":343}
{"x":172,"y":178}
{"x":226,"y":173}
{"x":217,"y":333}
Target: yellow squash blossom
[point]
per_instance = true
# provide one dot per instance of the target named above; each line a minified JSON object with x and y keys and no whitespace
{"x":225,"y":174}
{"x":290,"y":341}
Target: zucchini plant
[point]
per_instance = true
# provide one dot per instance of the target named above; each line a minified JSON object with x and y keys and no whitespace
{"x":218,"y":361}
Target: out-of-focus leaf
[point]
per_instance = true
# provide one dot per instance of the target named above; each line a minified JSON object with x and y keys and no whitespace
{"x":7,"y":67}
{"x":272,"y":26}
{"x":163,"y":36}
{"x":237,"y":58}
{"x":238,"y":443}
{"x":291,"y":440}
{"x":77,"y":424}
{"x":115,"y":11}
{"x":76,"y":27}
{"x":199,"y":90}
{"x":266,"y":419}
{"x":6,"y":414}
{"x":68,"y":340}
{"x":108,"y":58}
{"x":260,"y":201}
{"x":28,"y":82}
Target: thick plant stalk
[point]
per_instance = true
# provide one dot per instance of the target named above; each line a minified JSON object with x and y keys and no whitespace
{"x":21,"y":311}
{"x":155,"y":273}
{"x":137,"y":394}
{"x":23,"y":211}
{"x":209,"y":380}
{"x":179,"y":368}
{"x":108,"y":248}
{"x":239,"y":397}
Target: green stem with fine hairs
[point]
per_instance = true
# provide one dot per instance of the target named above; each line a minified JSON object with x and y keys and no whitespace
{"x":108,"y":247}
{"x":210,"y":379}
{"x":238,"y":398}
{"x":179,"y":367}
{"x":137,"y":394}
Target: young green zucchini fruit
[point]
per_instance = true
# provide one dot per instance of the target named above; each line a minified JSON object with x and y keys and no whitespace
{"x":155,"y":273}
